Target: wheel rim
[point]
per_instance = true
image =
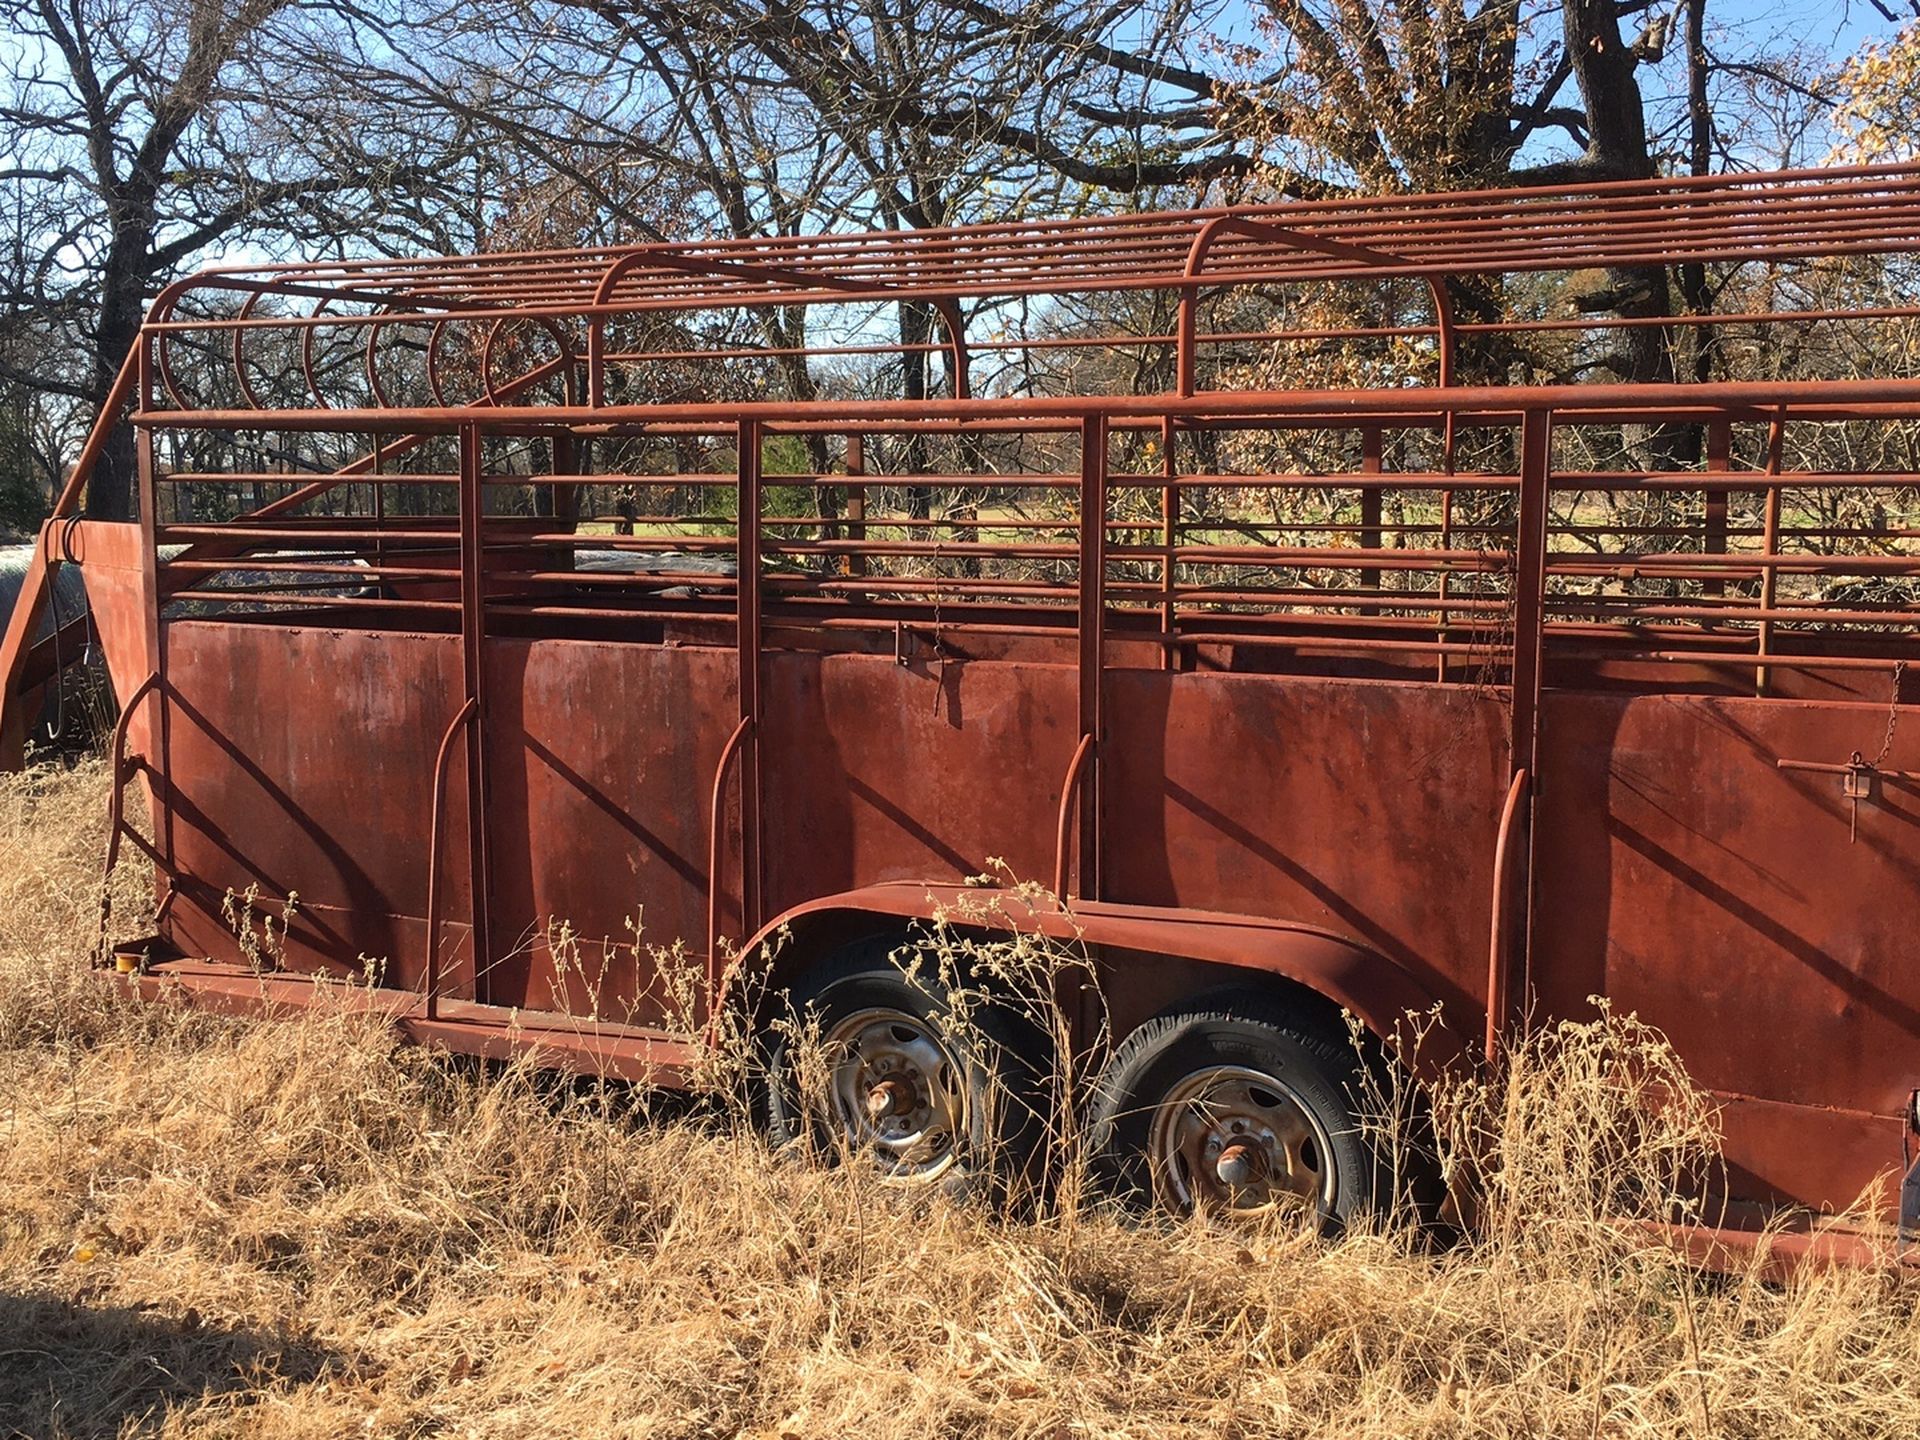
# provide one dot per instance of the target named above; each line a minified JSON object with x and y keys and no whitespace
{"x":897,"y":1091}
{"x":1237,"y":1141}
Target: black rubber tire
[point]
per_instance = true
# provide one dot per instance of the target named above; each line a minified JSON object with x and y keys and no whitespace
{"x":1001,"y":1058}
{"x":1324,"y":1073}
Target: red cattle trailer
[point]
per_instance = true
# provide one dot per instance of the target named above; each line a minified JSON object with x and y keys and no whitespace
{"x":1264,"y":580}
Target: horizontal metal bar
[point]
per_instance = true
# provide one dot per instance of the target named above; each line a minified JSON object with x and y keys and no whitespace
{"x":1571,"y":404}
{"x":303,"y":567}
{"x":236,"y":597}
{"x":1822,"y":768}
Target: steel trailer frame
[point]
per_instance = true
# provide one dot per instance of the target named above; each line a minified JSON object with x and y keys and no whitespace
{"x":1519,"y":618}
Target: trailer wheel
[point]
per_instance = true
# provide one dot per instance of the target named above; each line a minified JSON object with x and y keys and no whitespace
{"x":923,"y":1095}
{"x":1237,"y":1109}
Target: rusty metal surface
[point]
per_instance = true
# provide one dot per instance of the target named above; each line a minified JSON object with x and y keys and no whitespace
{"x":1342,"y":689}
{"x":1682,"y":874}
{"x":595,"y":1048}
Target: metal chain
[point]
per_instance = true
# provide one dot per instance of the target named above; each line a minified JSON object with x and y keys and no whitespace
{"x":1893,"y":713}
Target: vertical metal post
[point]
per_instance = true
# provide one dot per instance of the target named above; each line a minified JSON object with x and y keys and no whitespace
{"x":596,"y":360}
{"x":1092,"y":636}
{"x":150,"y":556}
{"x":149,"y":506}
{"x":747,"y":631}
{"x":377,"y":468}
{"x":1719,"y":461}
{"x":1370,"y":448}
{"x":856,"y":501}
{"x":1186,"y":341}
{"x":1529,"y":589}
{"x":1446,"y":541}
{"x":1170,"y":543}
{"x":473,"y":665}
{"x":1770,"y":545}
{"x":566,"y":498}
{"x":160,"y":742}
{"x":1510,"y":990}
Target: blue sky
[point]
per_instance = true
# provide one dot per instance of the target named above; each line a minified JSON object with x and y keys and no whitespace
{"x":1822,"y":31}
{"x":1840,"y":26}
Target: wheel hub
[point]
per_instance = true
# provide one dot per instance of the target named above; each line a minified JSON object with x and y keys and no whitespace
{"x":1240,"y":1164}
{"x":891,"y":1097}
{"x":896,"y":1091}
{"x":1232,"y":1139}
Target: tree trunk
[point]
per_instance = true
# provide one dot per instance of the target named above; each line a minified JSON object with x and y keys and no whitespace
{"x":1617,"y":149}
{"x":122,"y":304}
{"x":916,"y":328}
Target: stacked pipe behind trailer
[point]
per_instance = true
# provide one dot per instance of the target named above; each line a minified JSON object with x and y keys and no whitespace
{"x":1443,"y":691}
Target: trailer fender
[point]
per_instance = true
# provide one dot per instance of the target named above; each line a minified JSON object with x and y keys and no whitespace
{"x":1376,"y":990}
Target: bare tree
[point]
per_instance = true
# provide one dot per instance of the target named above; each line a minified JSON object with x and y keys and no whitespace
{"x":140,"y":135}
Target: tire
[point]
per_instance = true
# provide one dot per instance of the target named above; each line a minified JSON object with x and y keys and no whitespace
{"x":1237,"y":1106}
{"x":908,"y":1088}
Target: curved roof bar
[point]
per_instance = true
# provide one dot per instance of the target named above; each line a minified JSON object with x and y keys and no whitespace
{"x":1775,"y":217}
{"x":946,"y":306}
{"x":1211,"y":232}
{"x":1780,"y":216}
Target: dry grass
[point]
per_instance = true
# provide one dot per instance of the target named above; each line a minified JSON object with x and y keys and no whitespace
{"x":214,"y":1228}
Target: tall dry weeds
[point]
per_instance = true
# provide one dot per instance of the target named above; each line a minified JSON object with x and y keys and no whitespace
{"x":216,"y":1228}
{"x":53,"y":836}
